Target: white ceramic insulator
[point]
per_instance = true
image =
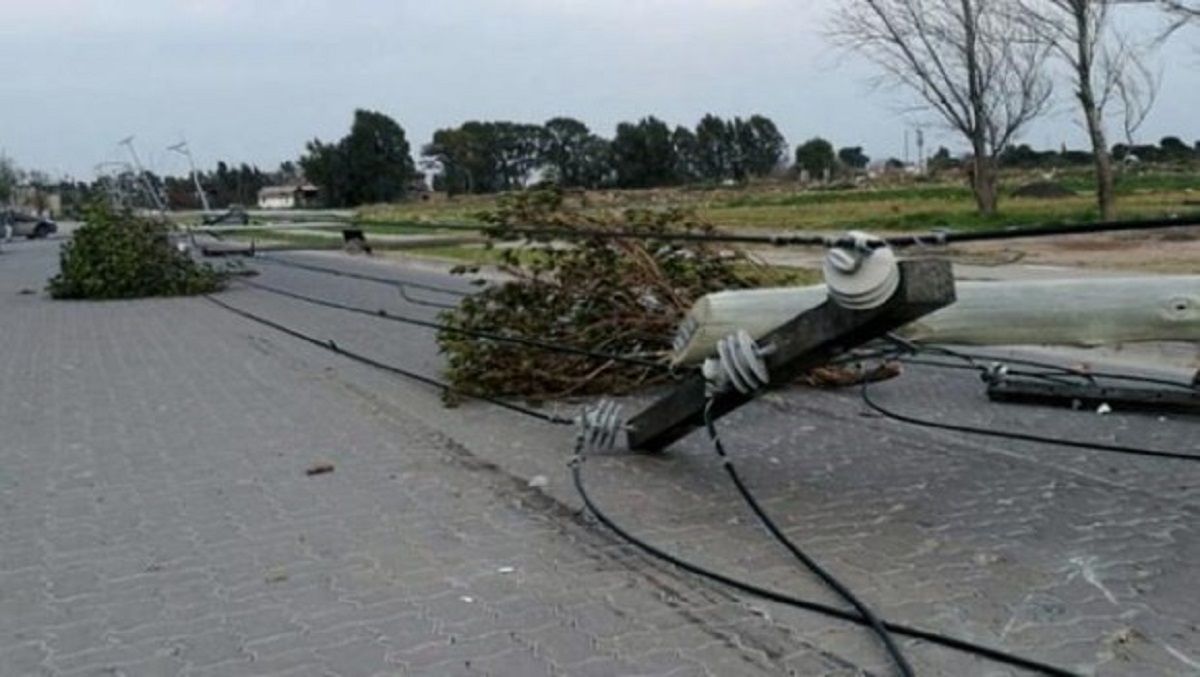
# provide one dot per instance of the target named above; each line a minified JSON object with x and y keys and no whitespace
{"x":862,"y":277}
{"x":601,"y":425}
{"x":739,"y":364}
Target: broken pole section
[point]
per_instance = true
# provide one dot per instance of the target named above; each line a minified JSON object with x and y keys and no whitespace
{"x":810,"y":339}
{"x":1091,"y":396}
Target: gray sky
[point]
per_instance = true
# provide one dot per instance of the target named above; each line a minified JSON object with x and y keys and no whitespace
{"x":252,"y":80}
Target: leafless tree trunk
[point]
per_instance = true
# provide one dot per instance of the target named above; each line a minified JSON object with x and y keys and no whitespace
{"x":972,"y":61}
{"x":1103,"y":64}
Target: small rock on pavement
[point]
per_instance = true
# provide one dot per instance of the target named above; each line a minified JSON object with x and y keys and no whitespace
{"x":538,"y":481}
{"x":319,"y":468}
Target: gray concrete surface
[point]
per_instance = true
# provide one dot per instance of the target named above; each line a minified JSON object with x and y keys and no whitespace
{"x":155,"y":516}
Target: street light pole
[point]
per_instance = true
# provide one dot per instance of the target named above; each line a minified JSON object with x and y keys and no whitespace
{"x":137,"y":163}
{"x":182,"y":149}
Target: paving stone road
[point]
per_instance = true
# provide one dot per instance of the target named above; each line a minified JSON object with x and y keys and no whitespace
{"x":156,"y":517}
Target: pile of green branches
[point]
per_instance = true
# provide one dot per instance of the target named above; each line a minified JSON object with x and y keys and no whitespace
{"x":617,"y":296}
{"x":119,"y":255}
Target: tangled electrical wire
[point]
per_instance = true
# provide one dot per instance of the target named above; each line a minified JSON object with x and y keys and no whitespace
{"x":808,"y":562}
{"x":907,"y":351}
{"x":883,"y":628}
{"x":474,"y":334}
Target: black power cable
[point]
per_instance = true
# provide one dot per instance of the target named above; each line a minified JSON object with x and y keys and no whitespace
{"x":783,"y":598}
{"x":482,"y":335}
{"x":809,"y":563}
{"x":361,"y":276}
{"x":973,"y":358}
{"x":765,"y":593}
{"x":1019,"y":436}
{"x":332,"y":346}
{"x":939,"y":237}
{"x":1045,"y":230}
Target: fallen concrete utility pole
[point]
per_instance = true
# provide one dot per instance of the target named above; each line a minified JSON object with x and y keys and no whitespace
{"x":1068,"y":312}
{"x":811,"y":337}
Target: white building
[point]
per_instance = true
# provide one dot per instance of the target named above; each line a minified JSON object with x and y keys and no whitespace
{"x":287,"y":197}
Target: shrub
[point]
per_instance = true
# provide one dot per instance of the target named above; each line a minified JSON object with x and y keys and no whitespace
{"x":120,"y":255}
{"x":601,"y":294}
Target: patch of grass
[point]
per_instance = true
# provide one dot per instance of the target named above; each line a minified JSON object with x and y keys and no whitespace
{"x":911,"y":215}
{"x":937,"y":193}
{"x":1131,"y":183}
{"x":782,"y":206}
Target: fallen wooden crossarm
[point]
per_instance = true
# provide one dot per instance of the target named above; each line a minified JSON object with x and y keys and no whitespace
{"x":812,"y":337}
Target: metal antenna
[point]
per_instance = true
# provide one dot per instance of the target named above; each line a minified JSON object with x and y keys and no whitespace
{"x":137,"y":163}
{"x":182,"y":149}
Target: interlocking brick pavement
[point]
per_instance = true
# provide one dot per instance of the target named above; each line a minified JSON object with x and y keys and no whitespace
{"x":155,"y":517}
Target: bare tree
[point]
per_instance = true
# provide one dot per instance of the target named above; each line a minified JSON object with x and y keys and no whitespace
{"x":1105,"y":67}
{"x":1138,"y":92}
{"x":972,"y":61}
{"x":1184,"y":10}
{"x":1179,"y":13}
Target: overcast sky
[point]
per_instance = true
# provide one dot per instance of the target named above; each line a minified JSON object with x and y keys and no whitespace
{"x":252,"y":80}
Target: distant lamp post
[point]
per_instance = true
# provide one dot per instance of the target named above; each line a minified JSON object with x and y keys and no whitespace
{"x":182,"y":149}
{"x":141,"y":171}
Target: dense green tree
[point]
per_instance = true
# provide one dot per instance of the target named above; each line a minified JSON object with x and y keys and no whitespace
{"x":687,"y":154}
{"x":644,"y":155}
{"x":519,"y":149}
{"x":376,"y":159}
{"x":574,"y":156}
{"x":370,"y":164}
{"x":942,"y":160}
{"x":760,"y":148}
{"x":853,"y":157}
{"x":323,"y":165}
{"x":716,"y":148}
{"x":1174,"y":148}
{"x":486,"y":157}
{"x":816,"y":157}
{"x":736,"y":149}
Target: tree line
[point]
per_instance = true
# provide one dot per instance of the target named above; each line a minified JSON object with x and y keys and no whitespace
{"x":373,"y":162}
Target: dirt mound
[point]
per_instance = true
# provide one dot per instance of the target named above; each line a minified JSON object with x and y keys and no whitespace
{"x":1043,"y":190}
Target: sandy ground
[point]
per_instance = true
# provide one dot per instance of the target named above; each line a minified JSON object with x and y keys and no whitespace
{"x":1168,"y":251}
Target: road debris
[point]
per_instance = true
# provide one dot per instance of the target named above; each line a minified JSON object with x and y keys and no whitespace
{"x":319,"y":468}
